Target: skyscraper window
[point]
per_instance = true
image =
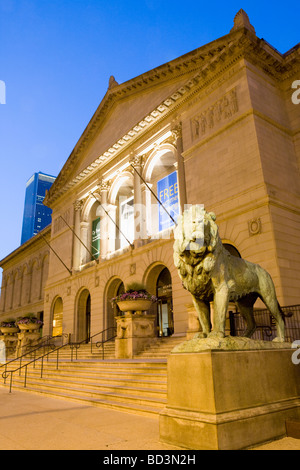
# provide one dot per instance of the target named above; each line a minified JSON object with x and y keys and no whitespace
{"x":36,"y":215}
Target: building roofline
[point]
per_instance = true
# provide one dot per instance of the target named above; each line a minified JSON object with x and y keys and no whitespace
{"x":36,"y":238}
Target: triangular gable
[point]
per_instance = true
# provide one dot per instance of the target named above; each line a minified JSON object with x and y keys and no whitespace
{"x":124,"y":116}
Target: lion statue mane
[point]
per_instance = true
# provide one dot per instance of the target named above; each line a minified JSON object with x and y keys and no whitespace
{"x":211,"y":274}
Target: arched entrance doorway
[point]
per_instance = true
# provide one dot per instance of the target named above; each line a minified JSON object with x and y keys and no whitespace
{"x":57,"y":317}
{"x":232,"y":250}
{"x":165,"y":319}
{"x":84,"y":316}
{"x":159,"y":282}
{"x":115,"y":288}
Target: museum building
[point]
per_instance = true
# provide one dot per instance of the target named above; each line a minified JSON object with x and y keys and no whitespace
{"x":216,"y":126}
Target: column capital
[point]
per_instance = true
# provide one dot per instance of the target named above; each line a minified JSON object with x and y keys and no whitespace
{"x":104,"y":185}
{"x":177,"y":131}
{"x":78,"y":205}
{"x":137,"y":160}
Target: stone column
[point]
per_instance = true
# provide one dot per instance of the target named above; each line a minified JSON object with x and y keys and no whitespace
{"x":139,"y":212}
{"x":3,"y":295}
{"x":84,"y":227}
{"x":77,"y":244}
{"x":103,"y":188}
{"x":146,"y":198}
{"x":112,"y":233}
{"x":177,"y":134}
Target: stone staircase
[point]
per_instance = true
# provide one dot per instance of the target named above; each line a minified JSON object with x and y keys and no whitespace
{"x":126,"y":385}
{"x":136,"y":385}
{"x":161,"y":347}
{"x":86,"y":352}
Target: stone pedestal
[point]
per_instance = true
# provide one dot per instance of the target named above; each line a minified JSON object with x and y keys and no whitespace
{"x":229,"y":399}
{"x":134,"y":333}
{"x":26,"y":340}
{"x":10,"y":343}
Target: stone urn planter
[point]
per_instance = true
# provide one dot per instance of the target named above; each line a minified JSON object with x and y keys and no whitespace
{"x":134,"y":305}
{"x":9,"y":330}
{"x":134,"y":330}
{"x":29,"y":326}
{"x":29,"y":323}
{"x":134,"y":300}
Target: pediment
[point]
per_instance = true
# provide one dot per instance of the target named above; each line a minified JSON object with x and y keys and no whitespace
{"x":124,"y":115}
{"x":125,"y":105}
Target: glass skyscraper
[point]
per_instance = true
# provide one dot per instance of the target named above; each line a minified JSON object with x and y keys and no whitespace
{"x":36,"y":215}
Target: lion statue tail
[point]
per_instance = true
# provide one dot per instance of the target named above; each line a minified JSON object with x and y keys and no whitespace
{"x":282,"y":312}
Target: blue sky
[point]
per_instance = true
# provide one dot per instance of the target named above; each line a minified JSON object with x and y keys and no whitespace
{"x":56,"y":57}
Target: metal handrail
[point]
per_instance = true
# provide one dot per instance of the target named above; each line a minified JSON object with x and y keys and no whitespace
{"x":35,"y":348}
{"x":6,"y":373}
{"x":102,"y":342}
{"x":73,"y":345}
{"x":76,"y":345}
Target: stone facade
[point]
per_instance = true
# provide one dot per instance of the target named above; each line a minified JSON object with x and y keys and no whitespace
{"x":220,"y":116}
{"x":25,"y":272}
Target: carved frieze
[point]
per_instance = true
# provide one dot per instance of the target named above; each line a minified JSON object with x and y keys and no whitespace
{"x":220,"y":111}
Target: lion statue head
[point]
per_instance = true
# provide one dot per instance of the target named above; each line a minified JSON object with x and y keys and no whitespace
{"x":195,"y":249}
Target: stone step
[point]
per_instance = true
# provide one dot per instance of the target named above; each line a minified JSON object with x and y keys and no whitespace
{"x":161,"y":347}
{"x":136,"y":385}
{"x":135,"y":365}
{"x":85,"y":351}
{"x":118,"y":393}
{"x":146,"y":410}
{"x":140,"y":379}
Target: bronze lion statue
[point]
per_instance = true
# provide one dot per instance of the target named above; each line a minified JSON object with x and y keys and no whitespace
{"x":210,"y":273}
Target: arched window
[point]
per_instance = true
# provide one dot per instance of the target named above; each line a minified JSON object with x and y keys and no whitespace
{"x":165,"y":311}
{"x":161,"y":173}
{"x":122,"y":198}
{"x":84,"y":316}
{"x":57,"y":317}
{"x":159,"y":282}
{"x":232,"y":250}
{"x":94,"y":234}
{"x":90,"y":231}
{"x":114,"y":288}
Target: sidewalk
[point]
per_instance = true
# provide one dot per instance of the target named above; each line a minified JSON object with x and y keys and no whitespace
{"x":33,"y":422}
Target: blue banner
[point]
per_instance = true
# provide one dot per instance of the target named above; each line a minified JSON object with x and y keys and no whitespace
{"x":168,"y":194}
